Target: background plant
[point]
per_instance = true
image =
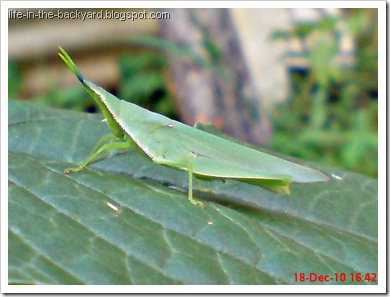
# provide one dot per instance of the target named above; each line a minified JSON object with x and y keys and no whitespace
{"x":332,"y":114}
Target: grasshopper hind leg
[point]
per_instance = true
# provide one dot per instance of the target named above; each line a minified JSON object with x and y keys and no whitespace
{"x":190,"y":198}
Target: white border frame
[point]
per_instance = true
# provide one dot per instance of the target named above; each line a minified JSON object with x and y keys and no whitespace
{"x":382,"y":132}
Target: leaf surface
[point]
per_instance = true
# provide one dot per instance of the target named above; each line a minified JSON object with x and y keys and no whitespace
{"x":126,"y":220}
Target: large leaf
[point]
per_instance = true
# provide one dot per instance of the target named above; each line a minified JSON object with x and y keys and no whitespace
{"x":126,"y":220}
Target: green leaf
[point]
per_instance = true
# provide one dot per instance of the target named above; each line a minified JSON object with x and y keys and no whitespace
{"x":126,"y":220}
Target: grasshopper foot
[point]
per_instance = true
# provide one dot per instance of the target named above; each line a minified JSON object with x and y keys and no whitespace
{"x":197,"y":203}
{"x":73,"y":169}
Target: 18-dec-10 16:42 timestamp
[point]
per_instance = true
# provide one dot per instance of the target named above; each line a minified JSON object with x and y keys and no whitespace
{"x":354,"y":277}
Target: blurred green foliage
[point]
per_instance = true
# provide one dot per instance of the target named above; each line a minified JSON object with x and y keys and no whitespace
{"x":15,"y":80}
{"x":332,"y":114}
{"x":74,"y":97}
{"x":143,"y":81}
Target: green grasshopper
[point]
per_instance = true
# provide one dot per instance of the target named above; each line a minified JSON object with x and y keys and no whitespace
{"x":177,"y":145}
